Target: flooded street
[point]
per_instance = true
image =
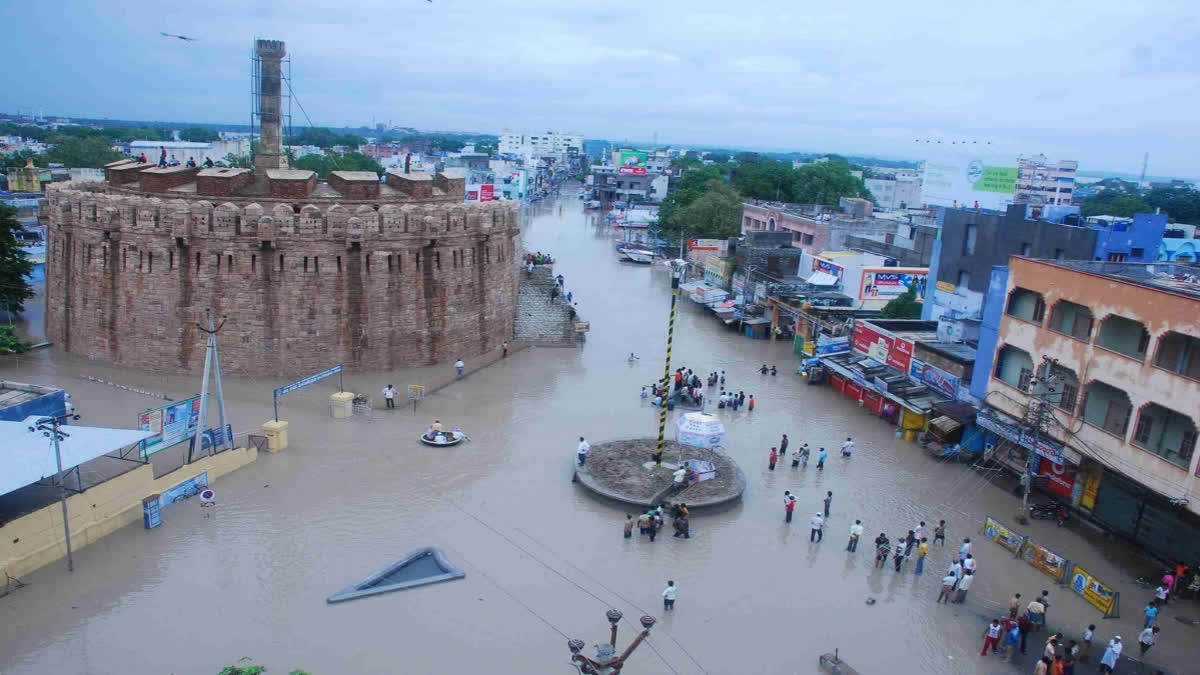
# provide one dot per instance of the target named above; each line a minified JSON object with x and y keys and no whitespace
{"x":543,"y":559}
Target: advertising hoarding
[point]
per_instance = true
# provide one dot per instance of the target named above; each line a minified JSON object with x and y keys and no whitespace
{"x":967,"y":180}
{"x":1060,"y":478}
{"x":901,"y":354}
{"x":829,"y":267}
{"x":887,"y":283}
{"x":871,"y":342}
{"x":1001,"y":534}
{"x":172,"y":423}
{"x":487,"y":192}
{"x":631,"y":163}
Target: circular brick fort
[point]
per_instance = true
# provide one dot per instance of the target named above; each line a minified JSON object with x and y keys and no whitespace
{"x":374,"y":275}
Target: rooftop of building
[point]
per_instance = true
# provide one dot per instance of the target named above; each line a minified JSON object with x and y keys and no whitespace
{"x":16,"y":393}
{"x":1172,"y":277}
{"x":909,"y":329}
{"x":961,"y":352}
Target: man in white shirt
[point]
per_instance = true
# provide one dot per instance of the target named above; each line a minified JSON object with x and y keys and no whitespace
{"x":816,"y":523}
{"x":964,"y":549}
{"x":919,"y":531}
{"x":856,"y":531}
{"x":969,"y":564}
{"x":964,"y":585}
{"x":389,"y":396}
{"x":460,"y":367}
{"x":584,"y":446}
{"x":1147,"y":638}
{"x":847,"y":447}
{"x":678,"y":476}
{"x":957,"y":570}
{"x":668,"y":595}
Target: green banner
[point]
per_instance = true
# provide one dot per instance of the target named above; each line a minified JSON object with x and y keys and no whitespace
{"x":1001,"y":179}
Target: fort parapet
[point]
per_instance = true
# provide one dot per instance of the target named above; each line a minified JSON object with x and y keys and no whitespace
{"x":317,"y":277}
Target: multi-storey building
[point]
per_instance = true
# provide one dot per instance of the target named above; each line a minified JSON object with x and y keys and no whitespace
{"x":1097,"y":371}
{"x":546,"y":143}
{"x":1040,"y":181}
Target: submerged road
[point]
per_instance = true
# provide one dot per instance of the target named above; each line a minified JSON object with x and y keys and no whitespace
{"x":543,"y":559}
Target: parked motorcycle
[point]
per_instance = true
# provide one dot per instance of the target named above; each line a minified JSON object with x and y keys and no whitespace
{"x":1052,"y":511}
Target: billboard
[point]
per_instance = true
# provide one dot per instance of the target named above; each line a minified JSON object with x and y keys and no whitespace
{"x":887,"y":283}
{"x":487,"y":192}
{"x":871,"y":342}
{"x":631,"y":163}
{"x":828,"y":267}
{"x":172,"y":423}
{"x":966,"y":180}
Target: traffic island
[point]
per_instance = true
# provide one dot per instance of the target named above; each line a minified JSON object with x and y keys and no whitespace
{"x":622,"y":471}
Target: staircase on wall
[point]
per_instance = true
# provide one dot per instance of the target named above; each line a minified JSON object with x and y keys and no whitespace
{"x":540,"y":319}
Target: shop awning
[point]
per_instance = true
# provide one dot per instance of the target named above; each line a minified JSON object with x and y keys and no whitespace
{"x":945,"y":425}
{"x":822,"y":279}
{"x":29,"y":456}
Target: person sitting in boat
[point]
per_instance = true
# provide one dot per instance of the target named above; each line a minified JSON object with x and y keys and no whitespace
{"x":437,"y":425}
{"x":430,"y":434}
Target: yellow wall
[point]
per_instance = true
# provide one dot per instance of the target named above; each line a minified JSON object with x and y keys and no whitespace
{"x":36,"y":539}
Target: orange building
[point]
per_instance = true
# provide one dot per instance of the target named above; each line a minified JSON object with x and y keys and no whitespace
{"x":1104,"y":358}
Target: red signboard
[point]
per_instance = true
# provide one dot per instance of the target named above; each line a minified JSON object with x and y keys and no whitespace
{"x":1060,"y":478}
{"x":631,"y":171}
{"x":487,"y":192}
{"x":865,"y":338}
{"x":837,"y":382}
{"x":853,"y":390}
{"x":900,"y":356}
{"x":872,"y":401}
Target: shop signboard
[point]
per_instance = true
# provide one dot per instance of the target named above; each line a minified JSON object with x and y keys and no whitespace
{"x":1100,"y":596}
{"x":487,"y":192}
{"x":1001,"y":534}
{"x":631,"y":163}
{"x":865,"y":337}
{"x":938,"y":379}
{"x":900,"y":355}
{"x":829,"y":267}
{"x":172,"y":423}
{"x":834,"y":346}
{"x":888,"y":283}
{"x":705,"y":244}
{"x":1091,"y":487}
{"x":1060,"y":478}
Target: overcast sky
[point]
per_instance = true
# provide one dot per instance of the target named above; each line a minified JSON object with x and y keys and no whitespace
{"x":1101,"y":81}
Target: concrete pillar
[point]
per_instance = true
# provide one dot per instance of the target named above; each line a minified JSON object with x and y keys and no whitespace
{"x":277,"y":435}
{"x":341,"y":405}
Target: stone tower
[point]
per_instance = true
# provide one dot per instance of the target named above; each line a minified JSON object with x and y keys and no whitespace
{"x":270,"y":153}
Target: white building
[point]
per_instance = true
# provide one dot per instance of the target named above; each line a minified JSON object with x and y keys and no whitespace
{"x":1041,"y":181}
{"x":893,"y":193}
{"x":546,"y":143}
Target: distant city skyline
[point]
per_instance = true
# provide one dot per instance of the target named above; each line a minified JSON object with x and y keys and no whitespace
{"x":1102,"y":86}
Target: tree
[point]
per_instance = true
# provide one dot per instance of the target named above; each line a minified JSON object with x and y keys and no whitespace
{"x":905,"y":306}
{"x":332,"y":161}
{"x":14,"y":264}
{"x":92,"y":152}
{"x":10,"y":343}
{"x":715,"y":214}
{"x":826,"y":183}
{"x":20,"y":157}
{"x":1114,"y":203}
{"x":198,"y":135}
{"x":324,"y":138}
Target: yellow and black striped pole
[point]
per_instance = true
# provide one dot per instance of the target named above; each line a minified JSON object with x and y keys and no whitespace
{"x":676,"y":272}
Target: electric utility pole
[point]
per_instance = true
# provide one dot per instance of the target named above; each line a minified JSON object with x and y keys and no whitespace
{"x":212,"y":364}
{"x":607,"y":662}
{"x":51,"y":427}
{"x":1035,"y":418}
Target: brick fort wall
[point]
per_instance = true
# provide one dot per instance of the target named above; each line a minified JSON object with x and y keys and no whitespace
{"x":305,"y":284}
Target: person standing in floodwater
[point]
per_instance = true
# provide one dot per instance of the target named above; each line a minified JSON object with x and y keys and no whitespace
{"x":771,"y":459}
{"x":816,"y":523}
{"x":582,"y":451}
{"x":821,"y":455}
{"x":789,"y":505}
{"x":939,"y":532}
{"x":628,"y":525}
{"x":460,"y":367}
{"x":828,"y":501}
{"x":922,"y":551}
{"x":389,"y":396}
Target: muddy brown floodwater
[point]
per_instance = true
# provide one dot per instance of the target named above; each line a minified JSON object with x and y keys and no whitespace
{"x":544,"y":560}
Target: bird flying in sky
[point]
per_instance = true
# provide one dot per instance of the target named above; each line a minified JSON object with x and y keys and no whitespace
{"x":181,"y":37}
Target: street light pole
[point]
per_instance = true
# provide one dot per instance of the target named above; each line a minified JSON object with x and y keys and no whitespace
{"x":676,"y":272}
{"x":51,"y":427}
{"x":607,"y":662}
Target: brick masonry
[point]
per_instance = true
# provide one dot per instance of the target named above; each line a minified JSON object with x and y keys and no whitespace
{"x":374,"y":286}
{"x":540,"y":319}
{"x":222,"y":182}
{"x":355,"y":184}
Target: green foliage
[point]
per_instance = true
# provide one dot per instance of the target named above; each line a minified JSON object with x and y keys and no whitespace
{"x":246,"y":667}
{"x":704,"y":206}
{"x":1182,"y":206}
{"x":718,"y":157}
{"x":199,"y":135}
{"x":10,"y":343}
{"x":822,"y":183}
{"x":687,"y":162}
{"x":91,"y":152}
{"x":332,"y":161}
{"x":1113,"y":203}
{"x":14,"y":264}
{"x":18,"y":158}
{"x":904,"y":306}
{"x":487,"y":146}
{"x":324,"y":138}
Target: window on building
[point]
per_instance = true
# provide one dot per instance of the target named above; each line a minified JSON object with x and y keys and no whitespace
{"x":1014,"y":366}
{"x":969,"y":240}
{"x":1124,"y":336}
{"x":1060,"y":254}
{"x":1137,"y":253}
{"x":964,"y":279}
{"x":1071,"y":319}
{"x":1116,"y":257}
{"x":1166,"y":433}
{"x":808,"y":239}
{"x":1107,"y":407}
{"x":1026,"y":249}
{"x":1026,"y":304}
{"x":1179,"y":353}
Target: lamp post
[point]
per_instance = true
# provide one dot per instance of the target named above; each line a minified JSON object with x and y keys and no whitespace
{"x":676,"y":273}
{"x":607,"y":662}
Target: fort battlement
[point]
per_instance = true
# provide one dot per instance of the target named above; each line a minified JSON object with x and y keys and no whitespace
{"x":375,"y":284}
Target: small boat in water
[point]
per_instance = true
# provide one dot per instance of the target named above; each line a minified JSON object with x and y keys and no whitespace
{"x":638,"y":257}
{"x":592,"y":204}
{"x":443,"y":438}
